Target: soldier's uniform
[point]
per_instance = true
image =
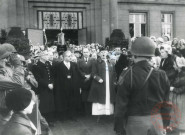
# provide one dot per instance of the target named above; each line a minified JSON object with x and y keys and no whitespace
{"x":140,"y":88}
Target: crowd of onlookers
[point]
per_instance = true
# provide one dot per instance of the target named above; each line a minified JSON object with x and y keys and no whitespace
{"x":67,"y":81}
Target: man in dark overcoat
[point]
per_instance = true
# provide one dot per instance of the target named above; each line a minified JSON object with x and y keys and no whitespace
{"x":85,"y":68}
{"x":43,"y":74}
{"x":67,"y":92}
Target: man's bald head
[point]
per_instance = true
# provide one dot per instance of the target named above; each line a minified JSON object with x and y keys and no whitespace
{"x":67,"y":56}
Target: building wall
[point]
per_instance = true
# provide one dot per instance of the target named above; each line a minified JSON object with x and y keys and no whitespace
{"x":4,"y":14}
{"x":153,"y":8}
{"x":100,"y":17}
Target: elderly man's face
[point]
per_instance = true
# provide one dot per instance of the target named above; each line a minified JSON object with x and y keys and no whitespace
{"x":67,"y":57}
{"x":86,"y":53}
{"x":103,"y":55}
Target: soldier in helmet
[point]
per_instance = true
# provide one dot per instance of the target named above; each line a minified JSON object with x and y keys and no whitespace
{"x":140,"y":88}
{"x":10,"y":78}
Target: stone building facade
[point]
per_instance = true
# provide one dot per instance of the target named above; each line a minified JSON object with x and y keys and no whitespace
{"x":94,"y":20}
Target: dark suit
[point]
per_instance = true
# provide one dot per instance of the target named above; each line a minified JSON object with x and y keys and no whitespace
{"x":85,"y":68}
{"x":43,"y":75}
{"x":67,"y":92}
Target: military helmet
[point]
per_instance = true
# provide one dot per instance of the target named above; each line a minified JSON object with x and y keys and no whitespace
{"x":143,"y":46}
{"x":9,"y":47}
{"x":3,"y":52}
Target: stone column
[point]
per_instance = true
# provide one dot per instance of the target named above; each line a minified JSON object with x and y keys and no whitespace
{"x":113,"y":15}
{"x":92,"y":10}
{"x":105,"y":7}
{"x":98,"y":21}
{"x":26,"y":14}
{"x":12,"y":13}
{"x":88,"y":24}
{"x":20,"y":13}
{"x":4,"y":14}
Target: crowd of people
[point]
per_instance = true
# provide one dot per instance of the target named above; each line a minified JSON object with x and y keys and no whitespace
{"x":65,"y":82}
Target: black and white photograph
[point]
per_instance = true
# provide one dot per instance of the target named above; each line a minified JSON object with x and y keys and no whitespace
{"x":92,"y":67}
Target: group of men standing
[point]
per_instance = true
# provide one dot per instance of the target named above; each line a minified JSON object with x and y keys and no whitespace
{"x":139,"y":88}
{"x":63,"y":86}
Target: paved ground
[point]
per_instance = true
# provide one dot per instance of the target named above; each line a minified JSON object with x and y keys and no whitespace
{"x":85,"y":126}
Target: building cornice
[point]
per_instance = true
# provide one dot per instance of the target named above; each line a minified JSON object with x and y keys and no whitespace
{"x":58,"y":7}
{"x":151,"y":2}
{"x":59,"y":2}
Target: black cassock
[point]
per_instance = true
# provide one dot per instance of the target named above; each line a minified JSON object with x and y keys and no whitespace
{"x":67,"y":88}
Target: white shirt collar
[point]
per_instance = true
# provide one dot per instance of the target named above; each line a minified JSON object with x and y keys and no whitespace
{"x":86,"y":58}
{"x":67,"y":64}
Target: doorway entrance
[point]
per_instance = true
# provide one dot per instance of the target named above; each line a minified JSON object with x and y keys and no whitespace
{"x":71,"y":36}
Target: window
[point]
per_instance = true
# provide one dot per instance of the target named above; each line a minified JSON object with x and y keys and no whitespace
{"x":167,"y":24}
{"x":56,"y":20}
{"x":137,"y":24}
{"x":51,"y":20}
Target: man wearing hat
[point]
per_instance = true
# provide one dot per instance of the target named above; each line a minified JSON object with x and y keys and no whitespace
{"x":21,"y":102}
{"x":140,"y":89}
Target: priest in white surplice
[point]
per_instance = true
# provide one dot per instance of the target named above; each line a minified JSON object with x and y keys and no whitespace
{"x":102,"y":92}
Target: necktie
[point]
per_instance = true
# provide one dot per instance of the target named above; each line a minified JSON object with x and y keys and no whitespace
{"x":86,"y":60}
{"x":67,"y":65}
{"x":163,"y":62}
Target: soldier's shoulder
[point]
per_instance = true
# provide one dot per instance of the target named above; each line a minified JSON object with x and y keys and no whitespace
{"x":158,"y":70}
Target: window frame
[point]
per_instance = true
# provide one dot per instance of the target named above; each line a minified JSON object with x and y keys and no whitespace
{"x":147,"y":19}
{"x":173,"y":22}
{"x":41,"y":24}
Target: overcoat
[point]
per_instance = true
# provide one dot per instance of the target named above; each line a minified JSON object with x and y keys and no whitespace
{"x":178,"y":97}
{"x":97,"y":92}
{"x":43,"y":75}
{"x":85,"y":68}
{"x":66,"y":87}
{"x":167,"y":66}
{"x":19,"y":124}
